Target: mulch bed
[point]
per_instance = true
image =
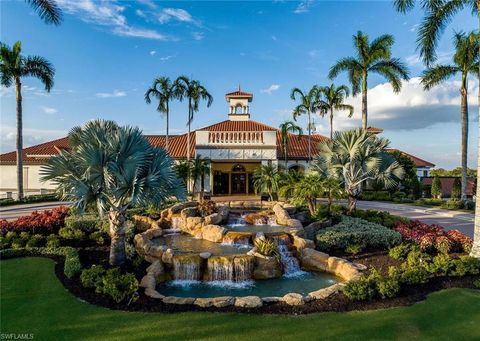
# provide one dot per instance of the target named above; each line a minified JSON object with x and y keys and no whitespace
{"x":335,"y":303}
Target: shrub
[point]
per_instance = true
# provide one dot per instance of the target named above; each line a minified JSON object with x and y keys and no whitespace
{"x":87,"y":223}
{"x":400,"y":252}
{"x":379,"y":217}
{"x":466,"y":265}
{"x":53,"y":241}
{"x":388,"y":287}
{"x":97,"y":237}
{"x":460,"y":241}
{"x":453,"y":204}
{"x":443,"y":244}
{"x":117,"y":285}
{"x":4,"y":243}
{"x":92,"y":277}
{"x":267,"y":247}
{"x":476,"y":283}
{"x":376,"y":195}
{"x":17,"y":243}
{"x":29,"y":199}
{"x":356,"y":231}
{"x":354,"y":249}
{"x":44,"y":223}
{"x":361,"y":289}
{"x":413,"y":275}
{"x":70,"y":233}
{"x":10,"y":235}
{"x":442,"y":264}
{"x":429,"y":202}
{"x":25,"y":236}
{"x":36,"y":240}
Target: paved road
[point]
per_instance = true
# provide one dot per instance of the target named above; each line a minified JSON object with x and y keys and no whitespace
{"x":446,"y":218}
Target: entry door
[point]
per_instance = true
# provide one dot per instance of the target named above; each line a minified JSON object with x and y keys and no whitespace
{"x":220,"y":183}
{"x":239,"y":183}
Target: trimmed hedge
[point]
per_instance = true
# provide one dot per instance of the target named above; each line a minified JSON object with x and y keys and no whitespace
{"x":30,"y":199}
{"x":87,"y":223}
{"x":356,"y":231}
{"x":72,"y":265}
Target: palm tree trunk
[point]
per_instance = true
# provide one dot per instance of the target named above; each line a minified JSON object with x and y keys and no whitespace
{"x":331,"y":123}
{"x":188,"y":142}
{"x":464,"y":117}
{"x":309,"y":138}
{"x":202,"y":185}
{"x":286,"y":156}
{"x":364,"y":101}
{"x":18,"y":85}
{"x":166,"y":135}
{"x":117,"y":220}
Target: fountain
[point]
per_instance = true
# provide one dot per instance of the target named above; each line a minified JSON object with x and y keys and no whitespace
{"x":220,"y":268}
{"x":243,"y":268}
{"x":291,"y":265}
{"x":187,"y":267}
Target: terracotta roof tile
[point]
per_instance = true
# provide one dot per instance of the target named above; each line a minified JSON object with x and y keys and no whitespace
{"x":239,"y":93}
{"x":228,"y":125}
{"x":298,"y":145}
{"x":374,"y":130}
{"x":419,"y":163}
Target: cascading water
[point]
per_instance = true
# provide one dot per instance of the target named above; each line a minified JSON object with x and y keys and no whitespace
{"x":243,"y":268}
{"x":186,"y":268}
{"x":291,"y":266}
{"x":220,"y":268}
{"x":236,"y":219}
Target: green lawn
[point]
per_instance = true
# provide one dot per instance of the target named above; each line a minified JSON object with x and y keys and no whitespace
{"x":34,"y":301}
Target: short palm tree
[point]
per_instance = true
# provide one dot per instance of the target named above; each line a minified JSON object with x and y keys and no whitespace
{"x":164,"y":90}
{"x":371,"y":57}
{"x":200,"y":168}
{"x":183,"y":170}
{"x":333,"y":190}
{"x":307,"y":190}
{"x":48,"y":10}
{"x":288,"y":181}
{"x":308,"y":105}
{"x":355,"y":157}
{"x":334,"y":100}
{"x":13,"y":68}
{"x":438,"y":14}
{"x":465,"y":62}
{"x":266,"y":179}
{"x":287,"y":128}
{"x":115,"y":168}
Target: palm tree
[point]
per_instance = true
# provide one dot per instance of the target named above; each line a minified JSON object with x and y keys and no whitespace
{"x":438,"y":14}
{"x":287,"y":128}
{"x":307,"y":190}
{"x":164,"y":90}
{"x":355,"y":157}
{"x":194,"y":92}
{"x":13,"y":67}
{"x":183,"y":169}
{"x":48,"y":10}
{"x":308,"y":105}
{"x":372,"y":57}
{"x":333,"y":190}
{"x":465,"y":61}
{"x":334,"y":100}
{"x":200,"y":168}
{"x":288,"y":181}
{"x":113,"y":167}
{"x":265,"y":179}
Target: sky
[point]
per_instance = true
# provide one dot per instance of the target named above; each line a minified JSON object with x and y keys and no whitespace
{"x":107,"y":53}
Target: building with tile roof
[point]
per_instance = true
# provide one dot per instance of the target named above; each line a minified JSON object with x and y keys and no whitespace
{"x":236,"y":147}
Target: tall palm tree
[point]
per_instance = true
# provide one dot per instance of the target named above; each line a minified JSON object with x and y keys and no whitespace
{"x":115,"y":168}
{"x":287,"y":128}
{"x":194,"y":92}
{"x":13,"y":68}
{"x":47,"y":10}
{"x":355,"y":157}
{"x":334,"y":100}
{"x":371,"y":57}
{"x":309,"y":102}
{"x":164,"y":90}
{"x":438,"y":14}
{"x":200,"y":168}
{"x":465,"y":61}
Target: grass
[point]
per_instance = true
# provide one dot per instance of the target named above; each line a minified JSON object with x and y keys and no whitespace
{"x":34,"y":301}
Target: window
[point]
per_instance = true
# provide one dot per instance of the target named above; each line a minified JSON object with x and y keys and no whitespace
{"x":425,"y":173}
{"x":238,"y":168}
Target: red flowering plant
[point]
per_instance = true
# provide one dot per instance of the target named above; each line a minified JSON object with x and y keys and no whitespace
{"x":433,"y":237}
{"x":46,"y":222}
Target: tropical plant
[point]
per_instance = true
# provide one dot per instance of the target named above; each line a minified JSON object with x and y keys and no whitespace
{"x":456,"y":189}
{"x":115,"y":167}
{"x":287,"y":128}
{"x":309,"y":104}
{"x":199,"y":169}
{"x":332,"y":190}
{"x":266,"y":179}
{"x":465,"y":61}
{"x":307,"y":190}
{"x":183,"y":168}
{"x":164,"y":90}
{"x":436,"y":188}
{"x":371,"y":57}
{"x":13,"y":68}
{"x":288,"y":181}
{"x":355,"y":157}
{"x":267,"y":247}
{"x":334,"y":100}
{"x":47,"y":10}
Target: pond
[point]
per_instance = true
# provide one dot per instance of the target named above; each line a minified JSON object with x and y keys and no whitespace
{"x":185,"y":244}
{"x":255,"y":228}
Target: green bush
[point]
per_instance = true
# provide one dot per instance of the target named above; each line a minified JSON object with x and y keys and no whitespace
{"x":442,"y":264}
{"x":354,"y":249}
{"x":356,"y":231}
{"x":388,"y":287}
{"x":25,"y":236}
{"x":361,"y":289}
{"x":98,"y":237}
{"x":87,"y":223}
{"x":476,"y":283}
{"x":36,"y":240}
{"x":400,"y":252}
{"x":429,"y":202}
{"x":466,"y":265}
{"x":413,"y":275}
{"x":70,"y":233}
{"x":117,"y":285}
{"x":4,"y":243}
{"x":92,"y":277}
{"x":453,"y":204}
{"x":53,"y":241}
{"x":378,"y":217}
{"x":17,"y":243}
{"x":29,"y":199}
{"x":376,"y":195}
{"x":10,"y":235}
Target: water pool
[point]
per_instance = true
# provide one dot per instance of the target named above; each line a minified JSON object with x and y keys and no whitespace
{"x":302,"y":284}
{"x":255,"y":228}
{"x":185,"y":244}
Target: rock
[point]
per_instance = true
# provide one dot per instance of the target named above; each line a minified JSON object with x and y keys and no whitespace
{"x":271,"y":299}
{"x":157,"y":250}
{"x":301,"y":243}
{"x":189,"y":212}
{"x":221,"y":302}
{"x":178,"y":300}
{"x":314,"y":260}
{"x":153,"y":233}
{"x":289,"y":208}
{"x":153,"y":293}
{"x":205,"y":255}
{"x":312,"y":229}
{"x":193,"y":224}
{"x":232,"y":237}
{"x":236,"y":204}
{"x":293,"y":299}
{"x":248,"y":302}
{"x":146,"y":246}
{"x":281,"y":215}
{"x":266,"y":268}
{"x":204,"y":302}
{"x":156,"y":269}
{"x":143,"y":222}
{"x":167,"y":256}
{"x":259,"y":218}
{"x":253,"y":251}
{"x":150,"y":259}
{"x":294,"y":223}
{"x":223,"y":212}
{"x":148,"y":281}
{"x":304,"y":217}
{"x":259,"y":236}
{"x":360,"y":267}
{"x":324,"y":292}
{"x":213,"y":219}
{"x":213,"y":233}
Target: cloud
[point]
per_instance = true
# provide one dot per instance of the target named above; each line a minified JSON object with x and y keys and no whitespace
{"x":30,"y":137}
{"x":270,"y":89}
{"x":48,"y":110}
{"x":115,"y":93}
{"x":274,"y":38}
{"x":140,"y":13}
{"x":177,"y":14}
{"x":443,"y":57}
{"x":108,"y":14}
{"x":411,"y":109}
{"x":414,"y":28}
{"x":163,"y":59}
{"x":303,"y":7}
{"x":149,"y":3}
{"x":152,"y":53}
{"x":198,"y":35}
{"x":6,"y":92}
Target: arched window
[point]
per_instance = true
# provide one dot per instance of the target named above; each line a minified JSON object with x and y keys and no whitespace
{"x":238,"y":109}
{"x":238,"y":168}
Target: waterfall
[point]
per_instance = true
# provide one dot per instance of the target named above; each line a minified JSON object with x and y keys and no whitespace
{"x":272,"y":220}
{"x":291,"y":265}
{"x":236,"y":219}
{"x":177,"y":223}
{"x":220,"y":268}
{"x":186,"y":268}
{"x":243,"y":268}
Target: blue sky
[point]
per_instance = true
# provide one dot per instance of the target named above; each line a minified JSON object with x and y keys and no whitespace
{"x":107,"y":53}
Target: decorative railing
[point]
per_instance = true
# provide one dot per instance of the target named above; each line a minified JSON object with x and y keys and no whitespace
{"x":239,"y":137}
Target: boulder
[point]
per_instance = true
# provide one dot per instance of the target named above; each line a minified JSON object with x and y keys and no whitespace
{"x":152,"y":233}
{"x":313,"y":260}
{"x":150,"y":259}
{"x":294,"y":223}
{"x":248,"y":302}
{"x":178,"y":300}
{"x":153,"y":293}
{"x":204,"y":302}
{"x":232,"y":237}
{"x":266,"y":268}
{"x":325,"y":292}
{"x":144,"y":223}
{"x":213,"y":233}
{"x":236,"y":204}
{"x":167,"y":256}
{"x":157,"y":251}
{"x":271,"y":299}
{"x":312,"y":229}
{"x":281,"y":215}
{"x":289,"y":208}
{"x":213,"y":219}
{"x":193,"y":224}
{"x":189,"y":212}
{"x":148,"y":281}
{"x":259,"y":218}
{"x":293,"y":299}
{"x":155,"y":269}
{"x":221,"y":302}
{"x":223,"y":212}
{"x":301,"y":243}
{"x":304,"y":217}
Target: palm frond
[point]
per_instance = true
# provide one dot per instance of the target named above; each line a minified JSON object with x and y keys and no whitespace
{"x":437,"y":74}
{"x":48,"y":10}
{"x":40,"y":68}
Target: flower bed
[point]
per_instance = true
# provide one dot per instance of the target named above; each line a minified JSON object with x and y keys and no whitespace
{"x":433,"y":237}
{"x":47,"y":222}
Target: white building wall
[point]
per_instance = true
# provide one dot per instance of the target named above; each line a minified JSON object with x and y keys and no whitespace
{"x":31,"y":180}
